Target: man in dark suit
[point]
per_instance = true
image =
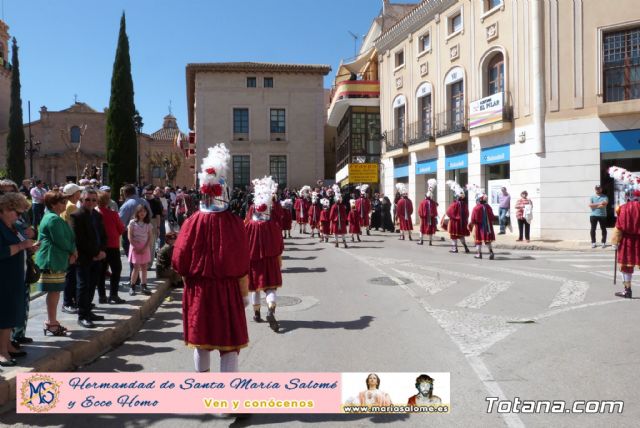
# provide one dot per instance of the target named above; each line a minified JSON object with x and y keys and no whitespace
{"x":91,"y":241}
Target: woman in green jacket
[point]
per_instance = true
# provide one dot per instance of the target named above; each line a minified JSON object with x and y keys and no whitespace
{"x":57,"y":250}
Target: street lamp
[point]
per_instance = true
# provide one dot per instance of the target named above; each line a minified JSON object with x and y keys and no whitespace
{"x":137,"y":124}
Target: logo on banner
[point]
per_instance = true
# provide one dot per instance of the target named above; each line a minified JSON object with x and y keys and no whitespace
{"x":40,"y":393}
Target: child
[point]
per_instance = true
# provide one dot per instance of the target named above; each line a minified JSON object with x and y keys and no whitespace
{"x":354,"y":221}
{"x":163,"y":263}
{"x":139,"y":232}
{"x":286,"y":218}
{"x":325,"y":221}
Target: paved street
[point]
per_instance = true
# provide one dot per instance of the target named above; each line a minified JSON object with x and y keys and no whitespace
{"x":530,"y":324}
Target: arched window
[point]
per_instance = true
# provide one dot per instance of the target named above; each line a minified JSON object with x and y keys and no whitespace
{"x":399,"y":109}
{"x":424,"y":111}
{"x":75,"y":134}
{"x":495,"y":74}
{"x":455,"y":113}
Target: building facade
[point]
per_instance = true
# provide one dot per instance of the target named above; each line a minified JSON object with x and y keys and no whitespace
{"x":534,"y":95}
{"x":5,"y":86}
{"x":270,"y":116}
{"x":165,"y":162}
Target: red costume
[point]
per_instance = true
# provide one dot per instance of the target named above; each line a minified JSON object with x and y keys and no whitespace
{"x":428,"y":211}
{"x":338,"y":216}
{"x":629,"y":225}
{"x":211,"y":254}
{"x":302,"y":208}
{"x":482,"y":218}
{"x":286,"y":219}
{"x":265,"y":247}
{"x":314,"y":215}
{"x":363,"y":209}
{"x":325,"y":222}
{"x":354,"y":222}
{"x":277,"y":213}
{"x":404,"y":210}
{"x":458,"y":214}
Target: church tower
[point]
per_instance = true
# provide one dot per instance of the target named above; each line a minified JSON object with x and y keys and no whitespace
{"x":5,"y":81}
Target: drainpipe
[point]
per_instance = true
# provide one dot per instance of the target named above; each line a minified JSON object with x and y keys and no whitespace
{"x":537,"y":62}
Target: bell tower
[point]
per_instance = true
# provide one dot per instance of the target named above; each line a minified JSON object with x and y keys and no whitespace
{"x":5,"y":79}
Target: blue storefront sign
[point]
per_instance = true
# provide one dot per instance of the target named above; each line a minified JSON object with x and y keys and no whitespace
{"x":620,"y":141}
{"x":499,"y":154}
{"x":401,"y":171}
{"x":427,"y":167}
{"x":456,"y":162}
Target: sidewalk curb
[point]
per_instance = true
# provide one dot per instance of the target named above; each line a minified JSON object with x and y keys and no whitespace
{"x":77,"y":353}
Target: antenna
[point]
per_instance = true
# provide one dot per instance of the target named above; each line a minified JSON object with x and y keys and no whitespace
{"x":355,"y":43}
{"x":169,"y":106}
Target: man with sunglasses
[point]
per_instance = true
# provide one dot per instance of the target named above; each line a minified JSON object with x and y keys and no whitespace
{"x":91,"y":242}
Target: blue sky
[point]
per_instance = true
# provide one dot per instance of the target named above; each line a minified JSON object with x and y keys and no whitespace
{"x":67,"y":47}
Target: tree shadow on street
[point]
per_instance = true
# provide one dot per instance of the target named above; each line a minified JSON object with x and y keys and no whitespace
{"x":359,"y":324}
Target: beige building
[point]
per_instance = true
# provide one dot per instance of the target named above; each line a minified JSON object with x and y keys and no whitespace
{"x":535,"y":95}
{"x":270,"y":116}
{"x":5,"y":86}
{"x":160,"y":155}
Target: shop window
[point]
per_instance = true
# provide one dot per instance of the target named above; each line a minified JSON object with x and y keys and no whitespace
{"x":456,"y":105}
{"x":621,"y":53}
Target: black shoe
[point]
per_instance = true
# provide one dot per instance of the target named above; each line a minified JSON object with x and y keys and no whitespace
{"x":10,"y":363}
{"x":626,"y":293}
{"x":491,"y":256}
{"x":102,"y":300}
{"x":336,"y":245}
{"x":94,"y":317}
{"x":359,"y":238}
{"x":86,"y":323}
{"x":273,"y":323}
{"x":353,"y":239}
{"x":430,"y":243}
{"x":501,"y":233}
{"x":368,"y":233}
{"x":420,"y":242}
{"x":70,"y":309}
{"x":345,"y":245}
{"x":132,"y":290}
{"x":466,"y":249}
{"x":24,"y":340}
{"x":145,"y":290}
{"x":18,"y":354}
{"x":478,"y":256}
{"x":116,"y":300}
{"x":257,"y":317}
{"x":15,"y":344}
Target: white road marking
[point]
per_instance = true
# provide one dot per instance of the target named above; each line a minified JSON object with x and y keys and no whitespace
{"x":484,"y":295}
{"x":430,"y":284}
{"x":588,"y":266}
{"x":570,"y":293}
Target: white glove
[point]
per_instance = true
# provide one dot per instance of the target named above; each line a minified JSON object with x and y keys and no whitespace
{"x":245,"y":300}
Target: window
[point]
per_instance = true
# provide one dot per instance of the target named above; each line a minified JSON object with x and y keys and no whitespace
{"x":251,"y":82}
{"x":278,"y":170}
{"x":157,"y":172}
{"x":622,"y":65}
{"x":358,"y":133}
{"x":399,"y":120}
{"x":424,"y":42}
{"x":491,"y":4}
{"x":240,"y":120}
{"x":241,"y":171}
{"x":278,"y":124}
{"x":455,"y":23}
{"x":268,"y":82}
{"x":399,"y":58}
{"x":456,"y":106}
{"x":495,"y":74}
{"x":424,"y":104}
{"x":75,"y":134}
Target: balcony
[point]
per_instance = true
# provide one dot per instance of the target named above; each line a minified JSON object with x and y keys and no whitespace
{"x":420,"y":136}
{"x":395,"y":142}
{"x":452,"y":126}
{"x":490,"y":114}
{"x":351,"y":93}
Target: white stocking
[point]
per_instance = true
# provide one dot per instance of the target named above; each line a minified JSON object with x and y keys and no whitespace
{"x":626,"y":276}
{"x":229,"y":362}
{"x":255,"y":298}
{"x":202,"y":360}
{"x":271,"y":298}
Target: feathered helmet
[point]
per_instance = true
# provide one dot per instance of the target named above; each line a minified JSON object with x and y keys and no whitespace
{"x":314,"y":197}
{"x":213,"y":179}
{"x":263,"y":190}
{"x":630,"y":180}
{"x":325,"y":202}
{"x":363,"y":189}
{"x":286,"y":204}
{"x":336,"y":192}
{"x":401,"y":188}
{"x":431,"y":185}
{"x":479,"y":192}
{"x":304,"y":192}
{"x":455,"y":188}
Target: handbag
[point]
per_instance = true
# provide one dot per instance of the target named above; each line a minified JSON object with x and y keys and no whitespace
{"x":33,"y":271}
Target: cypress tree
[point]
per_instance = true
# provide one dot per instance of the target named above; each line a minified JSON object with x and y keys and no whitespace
{"x":122,"y":150}
{"x":15,"y":139}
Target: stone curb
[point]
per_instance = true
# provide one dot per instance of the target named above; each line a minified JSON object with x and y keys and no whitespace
{"x":78,"y":353}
